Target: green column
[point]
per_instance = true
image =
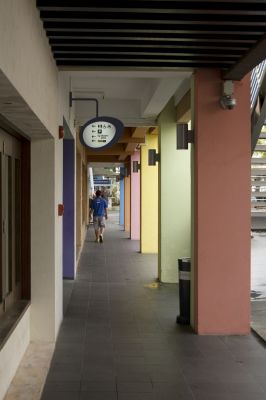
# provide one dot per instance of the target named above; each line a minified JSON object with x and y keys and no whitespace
{"x":174,"y":198}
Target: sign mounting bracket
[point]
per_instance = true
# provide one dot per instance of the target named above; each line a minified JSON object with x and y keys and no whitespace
{"x":71,"y":99}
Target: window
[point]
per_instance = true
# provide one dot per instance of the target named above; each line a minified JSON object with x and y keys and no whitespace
{"x":10,"y":207}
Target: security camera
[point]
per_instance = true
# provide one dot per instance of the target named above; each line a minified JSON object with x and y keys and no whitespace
{"x":227,"y":102}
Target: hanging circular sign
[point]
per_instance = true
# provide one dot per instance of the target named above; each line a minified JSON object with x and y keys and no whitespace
{"x":101,"y":132}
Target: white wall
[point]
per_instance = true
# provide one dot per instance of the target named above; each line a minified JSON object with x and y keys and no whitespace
{"x":12,"y":352}
{"x":46,"y":246}
{"x":118,"y":108}
{"x":64,"y":109}
{"x":26,"y":59}
{"x":27,"y":69}
{"x":27,"y":63}
{"x":58,"y":234}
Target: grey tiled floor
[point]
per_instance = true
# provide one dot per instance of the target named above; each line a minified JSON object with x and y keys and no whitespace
{"x":119,"y":339}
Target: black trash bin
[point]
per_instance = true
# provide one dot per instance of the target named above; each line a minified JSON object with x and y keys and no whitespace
{"x":184,"y":268}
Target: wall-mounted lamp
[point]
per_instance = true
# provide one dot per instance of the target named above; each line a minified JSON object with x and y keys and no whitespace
{"x":227,"y":100}
{"x":184,"y":136}
{"x":153,"y":157}
{"x":123,"y":172}
{"x":136,"y":166}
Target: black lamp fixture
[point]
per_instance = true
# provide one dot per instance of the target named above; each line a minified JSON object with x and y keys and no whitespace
{"x":124,"y":172}
{"x":136,"y":166}
{"x":153,"y":157}
{"x":184,"y":136}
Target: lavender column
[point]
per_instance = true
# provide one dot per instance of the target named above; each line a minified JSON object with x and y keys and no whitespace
{"x":69,"y":212}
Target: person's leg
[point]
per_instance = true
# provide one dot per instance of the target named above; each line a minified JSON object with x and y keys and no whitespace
{"x":101,"y":234}
{"x":96,"y":228}
{"x":101,"y":230}
{"x":97,"y":235}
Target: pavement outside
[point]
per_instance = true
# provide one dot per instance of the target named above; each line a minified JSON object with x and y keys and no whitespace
{"x":119,"y":339}
{"x":258,"y":284}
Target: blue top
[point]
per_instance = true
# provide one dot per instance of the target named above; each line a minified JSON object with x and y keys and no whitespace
{"x":98,"y":205}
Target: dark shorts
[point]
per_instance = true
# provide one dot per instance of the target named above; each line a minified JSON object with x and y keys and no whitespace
{"x":98,"y":222}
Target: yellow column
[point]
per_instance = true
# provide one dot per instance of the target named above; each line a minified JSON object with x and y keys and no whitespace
{"x":149,"y":198}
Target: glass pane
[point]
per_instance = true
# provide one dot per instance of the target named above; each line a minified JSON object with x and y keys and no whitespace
{"x":18,"y":220}
{"x":1,"y":230}
{"x":7,"y":225}
{"x":9,"y":229}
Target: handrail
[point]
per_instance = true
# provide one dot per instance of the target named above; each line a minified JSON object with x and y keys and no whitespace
{"x":257,"y":76}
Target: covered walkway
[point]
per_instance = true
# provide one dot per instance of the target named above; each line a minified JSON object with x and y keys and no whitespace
{"x":119,"y":340}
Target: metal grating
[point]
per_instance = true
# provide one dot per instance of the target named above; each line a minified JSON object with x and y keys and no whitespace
{"x":154,"y":33}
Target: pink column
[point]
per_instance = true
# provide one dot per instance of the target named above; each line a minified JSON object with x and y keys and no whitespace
{"x":222,"y":207}
{"x":135,"y":199}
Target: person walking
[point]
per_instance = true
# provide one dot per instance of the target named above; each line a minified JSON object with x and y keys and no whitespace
{"x":99,"y":209}
{"x":90,"y":210}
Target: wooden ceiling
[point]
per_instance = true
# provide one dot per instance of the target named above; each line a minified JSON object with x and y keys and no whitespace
{"x":228,"y":34}
{"x":125,"y":147}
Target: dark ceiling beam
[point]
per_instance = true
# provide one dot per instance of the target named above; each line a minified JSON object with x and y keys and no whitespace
{"x":180,"y":7}
{"x":254,"y":57}
{"x":171,"y":37}
{"x":155,"y":55}
{"x":186,"y":65}
{"x":78,"y":11}
{"x":139,"y":17}
{"x":166,"y":3}
{"x":112,"y":26}
{"x":72,"y":44}
{"x":175,"y":34}
{"x":159,"y":6}
{"x":158,"y":50}
{"x":145,"y":57}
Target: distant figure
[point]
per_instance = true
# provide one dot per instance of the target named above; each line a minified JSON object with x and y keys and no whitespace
{"x":90,"y":210}
{"x":105,"y":196}
{"x":99,"y":209}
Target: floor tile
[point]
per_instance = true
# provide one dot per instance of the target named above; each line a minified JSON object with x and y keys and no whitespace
{"x":136,"y":396}
{"x":99,"y":386}
{"x":132,"y":377}
{"x":97,"y":396}
{"x":62,"y":386}
{"x":135,"y":387}
{"x":119,"y":339}
{"x":55,"y":395}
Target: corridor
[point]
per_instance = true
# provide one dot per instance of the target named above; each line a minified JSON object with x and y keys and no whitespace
{"x":119,"y":339}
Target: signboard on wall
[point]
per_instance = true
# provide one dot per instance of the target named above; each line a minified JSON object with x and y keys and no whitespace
{"x":104,"y":182}
{"x":101,"y":132}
